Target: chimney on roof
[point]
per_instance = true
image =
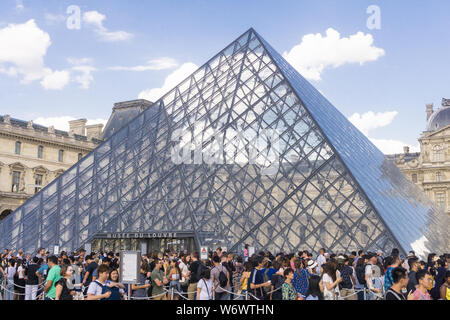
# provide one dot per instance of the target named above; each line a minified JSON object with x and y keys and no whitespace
{"x":429,"y":110}
{"x":94,"y":131}
{"x":406,"y":149}
{"x":78,"y":126}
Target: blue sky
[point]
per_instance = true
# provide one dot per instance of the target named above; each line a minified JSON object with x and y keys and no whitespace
{"x":76,"y":78}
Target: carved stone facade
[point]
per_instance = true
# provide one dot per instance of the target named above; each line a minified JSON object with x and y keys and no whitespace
{"x":31,"y":156}
{"x":430,"y":169}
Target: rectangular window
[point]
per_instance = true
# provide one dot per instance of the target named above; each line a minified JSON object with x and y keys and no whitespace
{"x":40,"y":151}
{"x":15,"y":181}
{"x":440,"y":200}
{"x":18,"y":146}
{"x":61,"y":156}
{"x":414,"y":178}
{"x":80,"y":155}
{"x":38,"y":182}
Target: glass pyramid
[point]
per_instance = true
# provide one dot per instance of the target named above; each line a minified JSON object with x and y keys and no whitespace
{"x":244,"y":150}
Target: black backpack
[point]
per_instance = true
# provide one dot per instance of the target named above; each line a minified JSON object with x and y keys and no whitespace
{"x":361,"y":274}
{"x":223,"y":279}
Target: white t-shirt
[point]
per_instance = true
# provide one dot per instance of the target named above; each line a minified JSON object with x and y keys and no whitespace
{"x":95,"y":289}
{"x":206,"y":289}
{"x":320,"y":261}
{"x":10,"y":272}
{"x":329,"y":295}
{"x":20,"y":272}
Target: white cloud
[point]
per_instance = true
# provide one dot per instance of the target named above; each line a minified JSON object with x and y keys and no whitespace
{"x":95,"y":19}
{"x":83,"y":67}
{"x":316,"y":52}
{"x":155,"y":64}
{"x":170,"y":82}
{"x":62,"y":123}
{"x":22,"y":51}
{"x":389,"y":146}
{"x":56,"y":80}
{"x":370,"y":121}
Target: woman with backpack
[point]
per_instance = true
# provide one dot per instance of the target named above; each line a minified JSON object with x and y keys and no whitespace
{"x":117,"y":289}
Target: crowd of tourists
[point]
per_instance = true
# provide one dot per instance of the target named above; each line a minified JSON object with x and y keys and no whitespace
{"x":226,"y":276}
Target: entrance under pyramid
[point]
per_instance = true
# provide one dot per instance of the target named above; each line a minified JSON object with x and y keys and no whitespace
{"x":243,"y":151}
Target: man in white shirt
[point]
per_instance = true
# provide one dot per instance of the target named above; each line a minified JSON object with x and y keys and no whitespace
{"x":321,"y":260}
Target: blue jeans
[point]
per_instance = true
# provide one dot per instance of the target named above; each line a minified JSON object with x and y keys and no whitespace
{"x":9,"y":291}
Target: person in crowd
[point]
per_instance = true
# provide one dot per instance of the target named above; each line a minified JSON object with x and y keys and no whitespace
{"x":423,"y":278}
{"x":64,"y":289}
{"x":195,"y":268}
{"x":10,"y":272}
{"x":388,"y":279}
{"x":91,"y":267}
{"x":347,"y":285}
{"x":220,"y":278}
{"x":54,"y":274}
{"x":117,"y":289}
{"x":174,"y":278}
{"x":32,"y":279}
{"x":205,"y":286}
{"x":158,"y":281}
{"x":300,"y":281}
{"x":287,"y":289}
{"x":19,"y":279}
{"x":314,"y":290}
{"x":400,"y":282}
{"x":373,"y":278}
{"x":321,"y":260}
{"x":331,"y":280}
{"x":98,"y":290}
{"x":139,"y":290}
{"x":244,"y":278}
{"x":256,"y":280}
{"x":414,"y":266}
{"x":439,"y":279}
{"x":445,"y":288}
{"x":276,"y":282}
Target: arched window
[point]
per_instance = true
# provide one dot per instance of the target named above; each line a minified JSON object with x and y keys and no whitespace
{"x":18,"y":147}
{"x":437,"y":153}
{"x":80,"y":155}
{"x":61,"y":155}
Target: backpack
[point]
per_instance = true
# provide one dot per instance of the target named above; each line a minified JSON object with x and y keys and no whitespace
{"x":106,"y":289}
{"x":361,"y":274}
{"x":223,"y":279}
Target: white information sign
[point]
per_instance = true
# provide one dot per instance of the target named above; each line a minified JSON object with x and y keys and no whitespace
{"x":251,"y":251}
{"x":129,"y":266}
{"x":203,"y":253}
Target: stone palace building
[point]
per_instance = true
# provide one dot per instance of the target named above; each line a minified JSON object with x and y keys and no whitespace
{"x":430,"y":168}
{"x":31,"y":156}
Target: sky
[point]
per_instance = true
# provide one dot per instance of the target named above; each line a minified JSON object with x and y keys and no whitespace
{"x":378,"y":62}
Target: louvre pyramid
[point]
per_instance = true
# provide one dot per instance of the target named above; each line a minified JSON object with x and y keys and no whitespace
{"x":319,"y":183}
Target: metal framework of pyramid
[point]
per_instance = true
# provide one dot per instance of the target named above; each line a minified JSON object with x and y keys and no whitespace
{"x":331,"y":187}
